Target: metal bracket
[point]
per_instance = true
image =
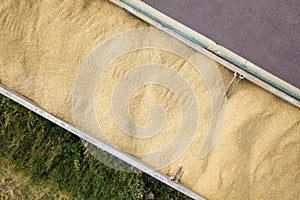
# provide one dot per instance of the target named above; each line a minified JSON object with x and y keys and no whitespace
{"x":175,"y":178}
{"x":231,"y":87}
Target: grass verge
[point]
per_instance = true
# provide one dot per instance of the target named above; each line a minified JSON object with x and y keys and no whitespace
{"x":41,"y":160}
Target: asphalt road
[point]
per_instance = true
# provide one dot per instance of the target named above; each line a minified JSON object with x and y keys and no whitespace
{"x":265,"y":32}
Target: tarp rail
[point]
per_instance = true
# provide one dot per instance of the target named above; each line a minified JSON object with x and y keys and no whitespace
{"x":211,"y":49}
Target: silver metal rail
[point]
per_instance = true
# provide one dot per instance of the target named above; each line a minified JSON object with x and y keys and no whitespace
{"x":99,"y":144}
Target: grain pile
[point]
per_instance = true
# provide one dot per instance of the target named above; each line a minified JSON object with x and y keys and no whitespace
{"x":44,"y":43}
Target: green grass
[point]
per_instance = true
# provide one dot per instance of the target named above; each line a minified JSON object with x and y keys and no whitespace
{"x":41,"y":160}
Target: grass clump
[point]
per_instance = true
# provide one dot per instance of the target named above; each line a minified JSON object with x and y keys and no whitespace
{"x":37,"y":155}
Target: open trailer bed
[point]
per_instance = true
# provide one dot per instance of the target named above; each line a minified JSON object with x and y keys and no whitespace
{"x":97,"y":71}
